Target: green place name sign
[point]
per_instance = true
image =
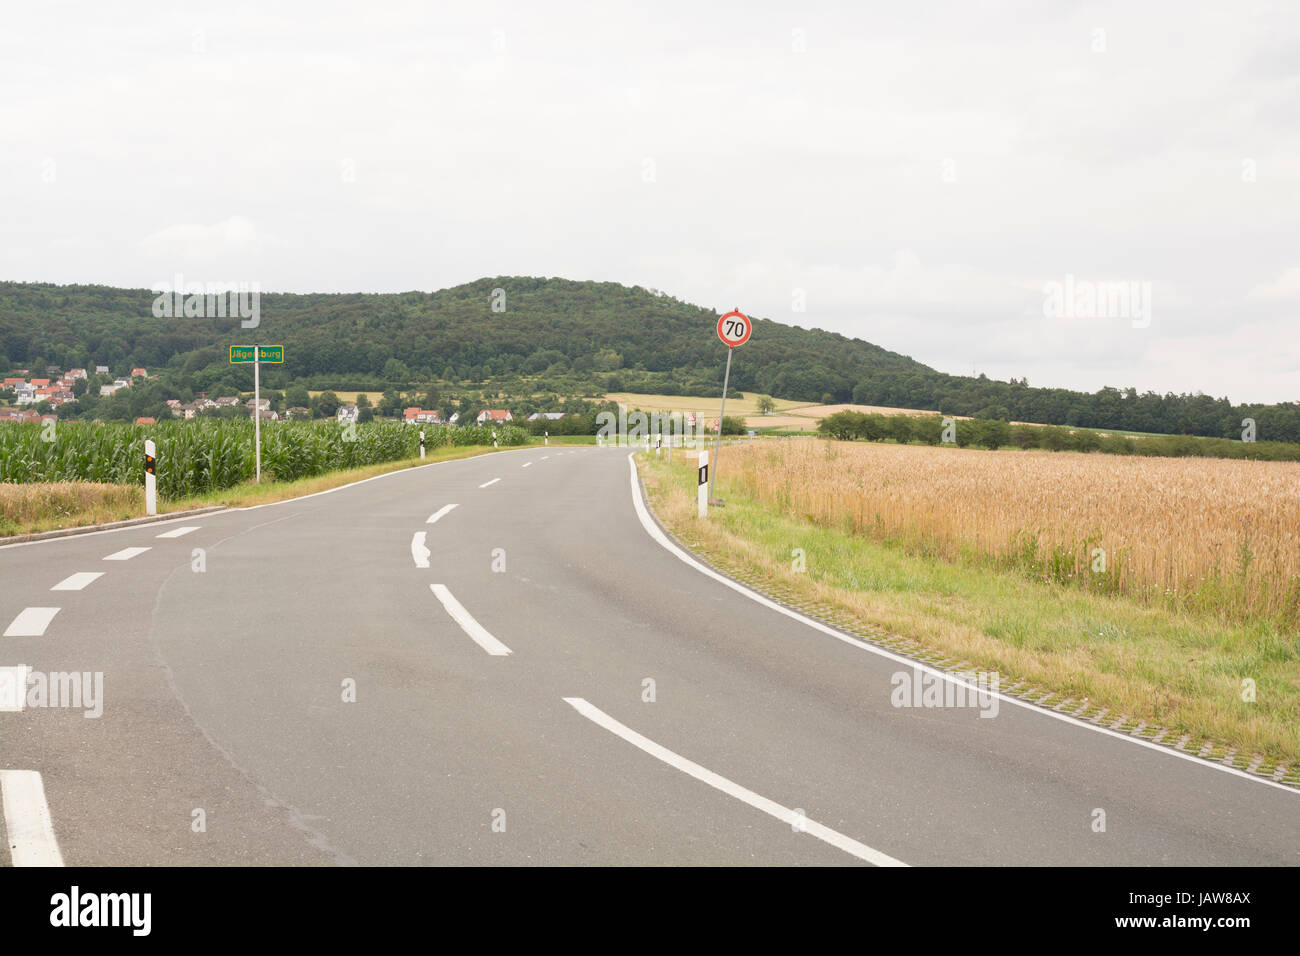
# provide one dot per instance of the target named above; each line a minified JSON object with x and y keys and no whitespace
{"x":247,"y":354}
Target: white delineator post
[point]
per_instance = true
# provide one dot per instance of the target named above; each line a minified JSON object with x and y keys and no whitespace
{"x":704,"y":483}
{"x":546,"y":440}
{"x":150,"y":478}
{"x":422,"y":443}
{"x":257,"y":411}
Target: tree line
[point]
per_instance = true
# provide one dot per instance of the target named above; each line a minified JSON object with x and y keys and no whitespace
{"x":556,"y":336}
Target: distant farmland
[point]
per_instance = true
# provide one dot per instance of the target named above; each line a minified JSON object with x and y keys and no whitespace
{"x":792,"y":416}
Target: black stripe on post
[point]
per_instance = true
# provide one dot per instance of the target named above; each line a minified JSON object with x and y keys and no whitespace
{"x":704,"y":474}
{"x":149,"y":465}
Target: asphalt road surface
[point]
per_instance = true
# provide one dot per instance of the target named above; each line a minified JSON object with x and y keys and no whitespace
{"x":373,"y":676}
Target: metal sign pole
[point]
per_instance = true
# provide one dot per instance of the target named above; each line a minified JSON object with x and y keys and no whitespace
{"x":717,"y":448}
{"x":257,"y":410}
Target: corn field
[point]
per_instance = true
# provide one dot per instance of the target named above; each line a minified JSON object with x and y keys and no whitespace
{"x":200,"y":456}
{"x":1212,"y":534}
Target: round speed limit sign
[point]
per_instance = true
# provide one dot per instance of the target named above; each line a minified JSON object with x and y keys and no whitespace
{"x":734,"y":329}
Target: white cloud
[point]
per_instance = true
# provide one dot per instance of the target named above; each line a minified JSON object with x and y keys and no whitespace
{"x":920,"y":172}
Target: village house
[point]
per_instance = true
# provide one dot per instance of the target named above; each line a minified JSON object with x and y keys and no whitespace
{"x":421,"y":416}
{"x":494,"y":415}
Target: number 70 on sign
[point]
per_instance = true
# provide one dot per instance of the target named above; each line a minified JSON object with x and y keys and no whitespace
{"x":734,"y":329}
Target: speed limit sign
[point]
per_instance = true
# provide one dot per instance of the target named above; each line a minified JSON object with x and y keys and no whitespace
{"x":734,"y":329}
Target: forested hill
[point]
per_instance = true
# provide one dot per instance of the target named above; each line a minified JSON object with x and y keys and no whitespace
{"x":554,"y":335}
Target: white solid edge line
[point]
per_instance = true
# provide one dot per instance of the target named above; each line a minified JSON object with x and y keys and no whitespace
{"x":419,"y":552}
{"x":27,"y":820}
{"x":654,"y":531}
{"x":477,"y":632}
{"x":177,"y":532}
{"x":439,"y":513}
{"x":126,"y":554}
{"x":492,"y":482}
{"x":718,"y":782}
{"x":75,"y":582}
{"x":31,"y":622}
{"x":269,"y":504}
{"x":13,"y":680}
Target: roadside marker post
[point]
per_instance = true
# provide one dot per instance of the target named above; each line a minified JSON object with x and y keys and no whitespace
{"x":546,"y":440}
{"x":255,"y":355}
{"x":734,"y":329}
{"x":704,"y":483}
{"x":421,"y":443}
{"x":150,"y":477}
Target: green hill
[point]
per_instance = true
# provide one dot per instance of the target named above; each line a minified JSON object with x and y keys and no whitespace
{"x":555,"y":335}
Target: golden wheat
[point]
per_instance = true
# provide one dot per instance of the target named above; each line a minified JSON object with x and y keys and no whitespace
{"x":1219,"y":533}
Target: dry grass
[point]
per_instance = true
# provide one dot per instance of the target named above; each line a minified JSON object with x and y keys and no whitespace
{"x":1216,"y":534}
{"x":50,"y":506}
{"x":46,"y":506}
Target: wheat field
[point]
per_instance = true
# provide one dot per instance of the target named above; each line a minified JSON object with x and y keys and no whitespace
{"x":1219,"y":535}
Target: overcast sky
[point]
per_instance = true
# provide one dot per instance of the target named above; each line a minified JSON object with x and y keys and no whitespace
{"x":914,"y":174}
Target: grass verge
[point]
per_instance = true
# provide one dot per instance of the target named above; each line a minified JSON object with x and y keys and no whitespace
{"x":50,"y":506}
{"x":1092,"y":652}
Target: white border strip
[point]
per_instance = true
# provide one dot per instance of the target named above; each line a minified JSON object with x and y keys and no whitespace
{"x":473,"y":628}
{"x":657,"y":533}
{"x":718,"y":782}
{"x":28,"y":827}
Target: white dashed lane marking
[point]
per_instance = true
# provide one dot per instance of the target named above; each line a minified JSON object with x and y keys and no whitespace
{"x":419,"y":552}
{"x":718,"y":782}
{"x":27,"y":820}
{"x":126,"y":554}
{"x":75,"y":582}
{"x":467,"y":623}
{"x":439,"y":513}
{"x":31,"y":622}
{"x":177,"y":532}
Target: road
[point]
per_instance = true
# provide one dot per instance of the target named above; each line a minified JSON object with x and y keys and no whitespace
{"x":288,"y":684}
